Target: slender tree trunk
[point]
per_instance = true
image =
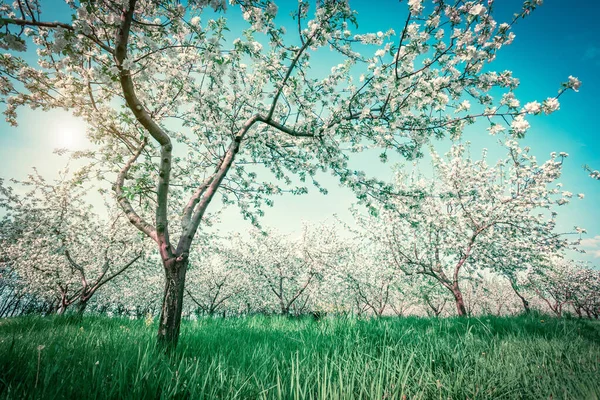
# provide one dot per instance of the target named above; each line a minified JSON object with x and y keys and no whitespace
{"x":16,"y":307}
{"x":6,"y":307}
{"x":27,"y":307}
{"x":515,"y":289}
{"x":62,"y":304}
{"x":285,"y":309}
{"x":458,"y":298}
{"x":82,"y":305}
{"x":526,"y":305}
{"x":172,"y":307}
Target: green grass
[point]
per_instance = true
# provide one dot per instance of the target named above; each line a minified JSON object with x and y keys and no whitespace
{"x":533,"y":357}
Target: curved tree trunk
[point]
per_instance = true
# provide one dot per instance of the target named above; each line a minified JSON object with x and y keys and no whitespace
{"x":526,"y":305}
{"x":62,"y":304}
{"x":172,"y":306}
{"x":458,"y":298}
{"x":515,"y":289}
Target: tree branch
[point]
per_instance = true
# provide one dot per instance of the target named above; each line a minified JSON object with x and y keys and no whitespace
{"x":125,"y":204}
{"x":24,"y":22}
{"x":221,"y":171}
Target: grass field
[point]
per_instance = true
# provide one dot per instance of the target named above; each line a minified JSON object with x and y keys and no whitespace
{"x":534,"y":357}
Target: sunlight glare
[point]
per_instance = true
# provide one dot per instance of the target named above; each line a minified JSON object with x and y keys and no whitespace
{"x":68,"y":133}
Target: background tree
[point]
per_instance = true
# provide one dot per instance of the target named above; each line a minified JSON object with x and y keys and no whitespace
{"x":15,"y":298}
{"x":434,"y":298}
{"x":281,"y":268}
{"x":58,"y":247}
{"x":458,"y":220}
{"x":556,"y":286}
{"x":515,"y":259}
{"x":406,"y":293}
{"x":216,"y":284}
{"x":370,"y":277}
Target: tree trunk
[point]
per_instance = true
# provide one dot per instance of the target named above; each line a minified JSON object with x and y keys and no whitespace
{"x":458,"y":298}
{"x":16,"y":306}
{"x":82,"y":305}
{"x":285,"y":309}
{"x":515,"y":289}
{"x":526,"y":306}
{"x":558,"y":310}
{"x":172,"y":306}
{"x":62,"y":305}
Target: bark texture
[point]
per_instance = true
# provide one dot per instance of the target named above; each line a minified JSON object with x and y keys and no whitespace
{"x":458,"y":298}
{"x":172,"y":307}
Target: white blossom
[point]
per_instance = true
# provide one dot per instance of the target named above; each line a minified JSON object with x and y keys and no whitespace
{"x":550,"y":105}
{"x":519,"y":125}
{"x":532,"y":107}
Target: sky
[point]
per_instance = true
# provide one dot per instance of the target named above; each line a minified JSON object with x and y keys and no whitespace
{"x":559,"y":39}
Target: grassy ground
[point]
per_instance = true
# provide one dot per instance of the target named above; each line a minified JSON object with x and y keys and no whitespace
{"x":414,"y":358}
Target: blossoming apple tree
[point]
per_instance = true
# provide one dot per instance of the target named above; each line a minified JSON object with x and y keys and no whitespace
{"x":471,"y":216}
{"x":216,"y":284}
{"x":369,"y":277}
{"x":284,"y":269}
{"x":58,"y":247}
{"x":183,"y":111}
{"x":567,"y":285}
{"x":586,"y":298}
{"x":15,"y":299}
{"x":135,"y":293}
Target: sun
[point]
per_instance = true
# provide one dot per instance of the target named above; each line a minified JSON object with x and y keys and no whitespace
{"x":68,"y":132}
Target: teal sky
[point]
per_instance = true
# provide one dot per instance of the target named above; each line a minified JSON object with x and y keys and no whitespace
{"x":559,"y":39}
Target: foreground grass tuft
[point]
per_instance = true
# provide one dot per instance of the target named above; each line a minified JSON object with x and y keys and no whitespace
{"x":534,"y":357}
